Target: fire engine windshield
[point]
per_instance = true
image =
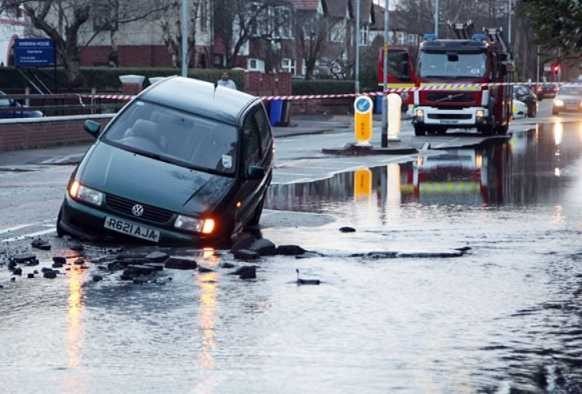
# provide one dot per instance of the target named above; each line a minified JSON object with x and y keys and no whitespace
{"x":452,"y":65}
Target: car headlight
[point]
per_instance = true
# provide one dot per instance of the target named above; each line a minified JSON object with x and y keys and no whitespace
{"x":559,"y":103}
{"x":85,"y":194}
{"x":204,"y":226}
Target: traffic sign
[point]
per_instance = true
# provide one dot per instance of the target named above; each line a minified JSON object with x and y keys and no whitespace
{"x":363,"y":122}
{"x":34,"y":52}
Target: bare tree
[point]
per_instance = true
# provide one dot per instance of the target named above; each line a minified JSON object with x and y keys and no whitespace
{"x":171,"y":25}
{"x":64,"y":22}
{"x":311,"y":34}
{"x":237,"y":21}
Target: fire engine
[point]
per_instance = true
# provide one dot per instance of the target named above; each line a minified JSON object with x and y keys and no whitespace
{"x":456,"y":73}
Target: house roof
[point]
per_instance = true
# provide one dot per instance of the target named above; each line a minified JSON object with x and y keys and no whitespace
{"x":306,"y":5}
{"x":337,"y":8}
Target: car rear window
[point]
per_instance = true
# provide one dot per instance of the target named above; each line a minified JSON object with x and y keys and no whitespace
{"x":176,"y":136}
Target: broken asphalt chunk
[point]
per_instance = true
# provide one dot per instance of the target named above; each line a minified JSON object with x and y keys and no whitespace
{"x":347,"y":229}
{"x":245,"y":255}
{"x":49,"y":274}
{"x":290,"y":250}
{"x":41,"y":244}
{"x":24,"y":258}
{"x":59,"y":260}
{"x":263,"y":247}
{"x":17,"y":271}
{"x":157,"y":257}
{"x":180,"y":263}
{"x":246,"y":272}
{"x":204,"y":270}
{"x":155,"y":266}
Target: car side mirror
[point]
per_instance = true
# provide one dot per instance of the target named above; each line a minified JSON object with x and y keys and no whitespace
{"x":92,"y":127}
{"x":256,"y":172}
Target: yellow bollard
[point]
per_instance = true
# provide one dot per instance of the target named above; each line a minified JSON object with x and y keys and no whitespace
{"x":363,"y":121}
{"x":362,"y":183}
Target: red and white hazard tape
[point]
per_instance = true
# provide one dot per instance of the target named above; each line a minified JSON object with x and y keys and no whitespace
{"x":435,"y":87}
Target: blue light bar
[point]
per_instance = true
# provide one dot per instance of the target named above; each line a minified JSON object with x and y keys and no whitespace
{"x":429,"y":37}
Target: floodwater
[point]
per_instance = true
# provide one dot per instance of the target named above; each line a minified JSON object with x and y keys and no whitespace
{"x":506,"y":317}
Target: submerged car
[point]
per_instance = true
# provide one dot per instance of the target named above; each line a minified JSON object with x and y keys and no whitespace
{"x":184,"y":162}
{"x":568,"y":99}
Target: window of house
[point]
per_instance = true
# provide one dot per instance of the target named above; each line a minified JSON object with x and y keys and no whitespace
{"x":282,"y":22}
{"x":365,"y":35}
{"x":203,"y":16}
{"x":337,"y":32}
{"x":288,"y":65}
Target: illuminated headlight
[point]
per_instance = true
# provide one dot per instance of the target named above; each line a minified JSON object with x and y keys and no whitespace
{"x":559,"y":103}
{"x":419,"y":113}
{"x":204,"y":226}
{"x":480,"y":113}
{"x":85,"y":194}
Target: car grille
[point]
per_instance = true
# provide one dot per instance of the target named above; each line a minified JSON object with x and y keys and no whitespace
{"x":451,"y":97}
{"x":124,"y":206}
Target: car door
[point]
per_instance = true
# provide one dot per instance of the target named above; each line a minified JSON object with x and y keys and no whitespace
{"x":252,"y":155}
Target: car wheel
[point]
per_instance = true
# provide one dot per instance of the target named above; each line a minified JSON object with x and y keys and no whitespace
{"x":60,"y":230}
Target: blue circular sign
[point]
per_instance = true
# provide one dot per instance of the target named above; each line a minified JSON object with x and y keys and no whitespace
{"x":363,"y":104}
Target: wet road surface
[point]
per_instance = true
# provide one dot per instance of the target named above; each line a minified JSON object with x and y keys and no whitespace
{"x":506,"y":317}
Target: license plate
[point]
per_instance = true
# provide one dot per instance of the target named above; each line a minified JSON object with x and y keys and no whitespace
{"x":131,"y":228}
{"x":449,"y":121}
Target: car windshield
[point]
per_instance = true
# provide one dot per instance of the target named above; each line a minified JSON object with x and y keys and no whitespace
{"x":452,"y":65}
{"x":177,"y":137}
{"x":571,"y":90}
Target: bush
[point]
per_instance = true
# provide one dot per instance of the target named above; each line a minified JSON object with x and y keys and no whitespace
{"x":322,"y":86}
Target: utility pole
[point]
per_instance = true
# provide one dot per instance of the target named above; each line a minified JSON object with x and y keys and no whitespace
{"x":184,"y":25}
{"x":436,"y":19}
{"x":509,"y":24}
{"x":538,"y":64}
{"x":357,"y":73}
{"x":385,"y":77}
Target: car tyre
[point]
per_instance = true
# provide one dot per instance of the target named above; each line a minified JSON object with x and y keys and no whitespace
{"x":60,"y":231}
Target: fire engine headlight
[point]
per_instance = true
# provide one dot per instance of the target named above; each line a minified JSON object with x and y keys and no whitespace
{"x":419,"y":113}
{"x":480,"y":113}
{"x":204,"y":226}
{"x":559,"y":103}
{"x":85,"y":194}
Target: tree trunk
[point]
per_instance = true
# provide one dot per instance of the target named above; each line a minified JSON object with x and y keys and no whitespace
{"x":72,"y":65}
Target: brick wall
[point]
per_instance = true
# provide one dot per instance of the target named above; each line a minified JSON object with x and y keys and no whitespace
{"x":16,"y":134}
{"x":260,"y":84}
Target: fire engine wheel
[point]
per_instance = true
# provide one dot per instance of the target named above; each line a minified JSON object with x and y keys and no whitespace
{"x":502,"y":130}
{"x":419,"y":131}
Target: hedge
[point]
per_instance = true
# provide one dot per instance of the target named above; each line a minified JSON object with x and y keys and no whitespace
{"x":107,"y":79}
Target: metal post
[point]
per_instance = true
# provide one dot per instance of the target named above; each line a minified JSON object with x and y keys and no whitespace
{"x":509,"y":24}
{"x":385,"y":77}
{"x":357,"y":73}
{"x":436,"y":19}
{"x":184,"y":24}
{"x":538,"y":64}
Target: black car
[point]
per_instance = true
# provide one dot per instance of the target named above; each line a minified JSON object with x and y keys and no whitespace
{"x":527,"y":96}
{"x":184,"y":162}
{"x":10,"y":108}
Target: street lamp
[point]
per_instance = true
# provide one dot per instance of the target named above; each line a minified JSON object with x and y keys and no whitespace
{"x":357,"y":73}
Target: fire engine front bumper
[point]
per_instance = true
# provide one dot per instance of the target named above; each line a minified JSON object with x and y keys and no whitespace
{"x":455,"y":118}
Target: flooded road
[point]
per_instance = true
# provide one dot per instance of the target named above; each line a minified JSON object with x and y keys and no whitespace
{"x":506,"y":317}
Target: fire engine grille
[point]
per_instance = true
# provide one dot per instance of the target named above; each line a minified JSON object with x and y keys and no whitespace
{"x":450,"y":116}
{"x":457,"y":98}
{"x":124,"y":205}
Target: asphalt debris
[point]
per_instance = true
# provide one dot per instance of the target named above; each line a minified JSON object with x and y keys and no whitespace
{"x":347,"y":229}
{"x":181,"y":263}
{"x":246,"y":272}
{"x":41,"y":244}
{"x":290,"y":250}
{"x":245,"y":255}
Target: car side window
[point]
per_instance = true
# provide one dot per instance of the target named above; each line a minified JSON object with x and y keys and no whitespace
{"x":264,"y":128}
{"x":251,"y":142}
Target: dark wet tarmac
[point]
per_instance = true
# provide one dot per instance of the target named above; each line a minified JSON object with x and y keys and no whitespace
{"x":505,"y":317}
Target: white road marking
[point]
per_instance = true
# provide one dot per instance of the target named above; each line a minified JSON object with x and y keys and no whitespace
{"x":30,"y":235}
{"x":16,"y":228}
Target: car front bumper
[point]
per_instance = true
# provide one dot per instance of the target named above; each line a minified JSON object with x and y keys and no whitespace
{"x":87,"y":223}
{"x":458,"y":118}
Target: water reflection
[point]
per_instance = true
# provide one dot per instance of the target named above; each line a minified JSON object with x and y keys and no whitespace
{"x":527,"y":170}
{"x":208,"y":285}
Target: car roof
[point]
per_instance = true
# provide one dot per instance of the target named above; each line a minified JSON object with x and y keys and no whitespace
{"x":200,"y":98}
